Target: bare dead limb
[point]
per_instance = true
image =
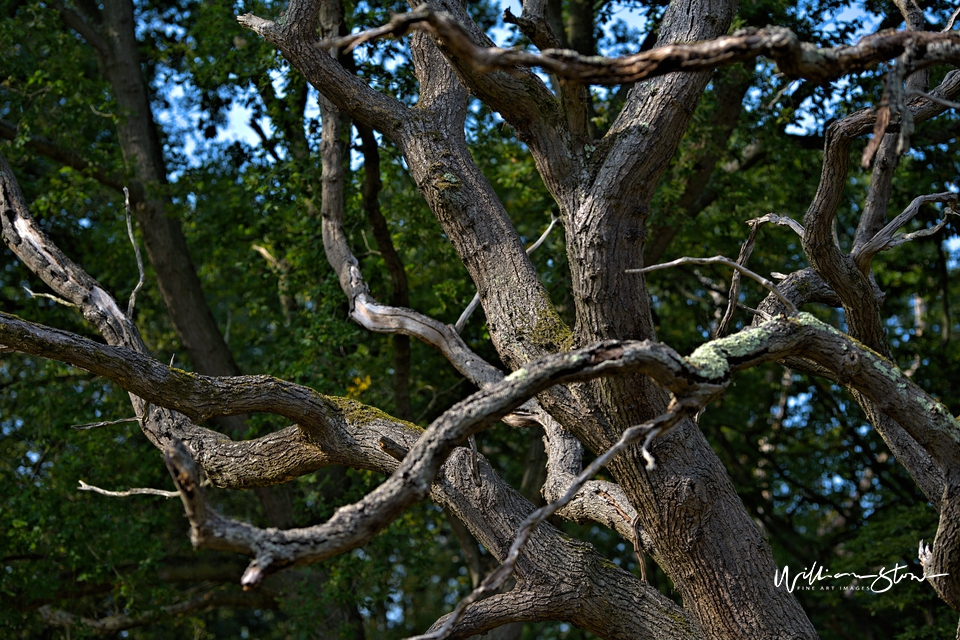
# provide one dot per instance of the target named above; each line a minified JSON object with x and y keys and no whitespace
{"x":783,"y":221}
{"x":108,"y":423}
{"x":745,"y":252}
{"x":22,"y":234}
{"x":951,"y":21}
{"x":733,"y":293}
{"x":770,"y":285}
{"x":129,"y":492}
{"x":48,"y":296}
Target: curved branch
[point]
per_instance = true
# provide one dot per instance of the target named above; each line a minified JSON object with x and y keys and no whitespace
{"x":886,"y":238}
{"x":819,"y":240}
{"x":739,"y":268}
{"x":794,"y":58}
{"x":696,"y":379}
{"x":25,"y":238}
{"x":129,"y":492}
{"x":364,"y":309}
{"x":296,"y":38}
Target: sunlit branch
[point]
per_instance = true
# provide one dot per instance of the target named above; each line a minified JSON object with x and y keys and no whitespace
{"x":136,"y":250}
{"x":97,"y":425}
{"x":129,"y":492}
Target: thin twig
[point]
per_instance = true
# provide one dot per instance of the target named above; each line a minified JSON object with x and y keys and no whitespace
{"x":923,"y":94}
{"x":734,"y":292}
{"x":763,"y":316}
{"x":779,"y":94}
{"x":783,"y":221}
{"x":136,"y":251}
{"x":465,"y":316}
{"x":952,"y":20}
{"x":660,"y":425}
{"x":97,"y":425}
{"x":129,"y":492}
{"x":745,"y":251}
{"x":103,"y":114}
{"x":51,"y":297}
{"x":730,"y":263}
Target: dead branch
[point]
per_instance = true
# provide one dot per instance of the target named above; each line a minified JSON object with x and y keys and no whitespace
{"x":129,"y":492}
{"x":886,"y":238}
{"x":771,"y":286}
{"x":733,"y":293}
{"x":783,"y":221}
{"x":97,"y":425}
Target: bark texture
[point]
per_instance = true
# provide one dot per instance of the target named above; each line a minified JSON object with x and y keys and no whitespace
{"x":604,"y":383}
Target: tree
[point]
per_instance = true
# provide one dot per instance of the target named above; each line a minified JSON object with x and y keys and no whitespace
{"x":631,"y":175}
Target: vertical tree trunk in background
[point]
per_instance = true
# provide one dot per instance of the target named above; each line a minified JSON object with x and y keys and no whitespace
{"x":400,"y":295}
{"x":118,"y":53}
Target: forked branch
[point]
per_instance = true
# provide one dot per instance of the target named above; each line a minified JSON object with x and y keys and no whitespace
{"x":769,"y":284}
{"x":886,"y":238}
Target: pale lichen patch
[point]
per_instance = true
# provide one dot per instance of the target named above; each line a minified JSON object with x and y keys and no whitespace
{"x":710,"y":360}
{"x":519,"y":374}
{"x":713,"y":358}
